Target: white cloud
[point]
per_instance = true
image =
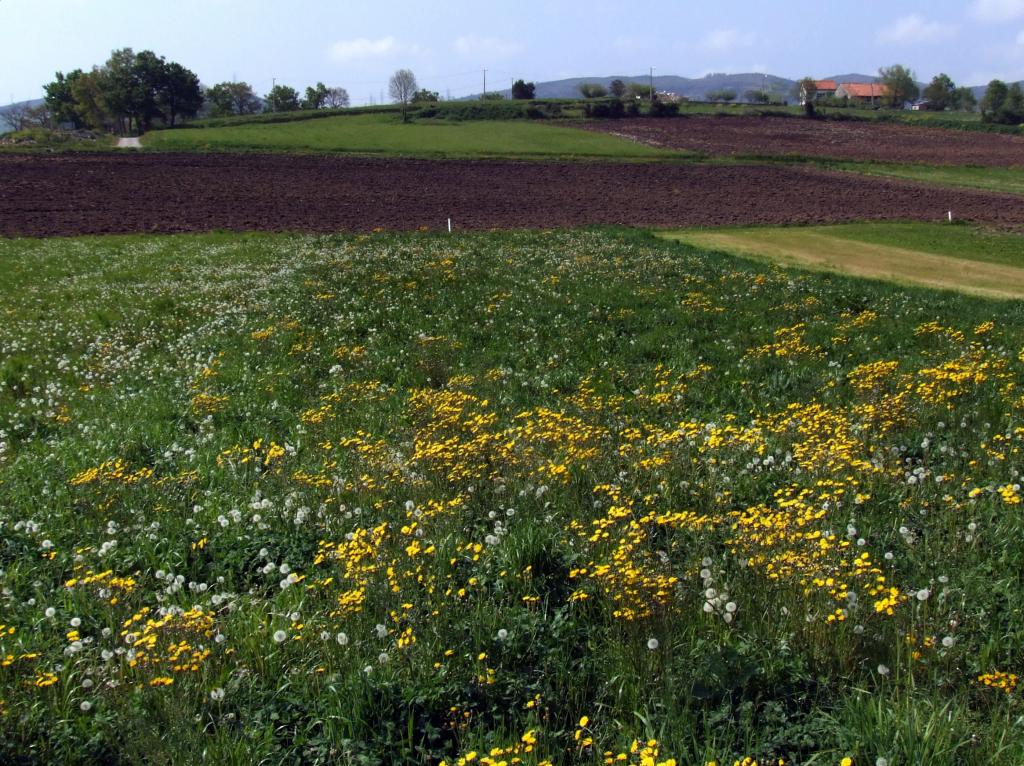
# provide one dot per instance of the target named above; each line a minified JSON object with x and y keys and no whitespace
{"x":997,"y":10}
{"x":363,"y":48}
{"x":916,"y":29}
{"x":471,"y":45}
{"x":723,"y":40}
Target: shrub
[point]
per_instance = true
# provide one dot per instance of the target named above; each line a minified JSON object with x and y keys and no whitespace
{"x":663,"y":109}
{"x":611,"y":109}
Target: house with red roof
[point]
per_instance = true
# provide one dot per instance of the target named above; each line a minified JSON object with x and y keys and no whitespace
{"x":825,"y":88}
{"x":864,"y":93}
{"x":822,"y":89}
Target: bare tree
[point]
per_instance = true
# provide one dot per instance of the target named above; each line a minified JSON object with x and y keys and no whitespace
{"x":336,"y":98}
{"x":18,"y":116}
{"x":39,"y":117}
{"x":402,"y":88}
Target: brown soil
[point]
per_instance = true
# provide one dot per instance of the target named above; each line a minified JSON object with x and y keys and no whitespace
{"x":123,"y":193}
{"x":848,"y":140}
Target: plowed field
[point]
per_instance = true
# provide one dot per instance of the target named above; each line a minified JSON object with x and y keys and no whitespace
{"x":125,"y":193}
{"x":778,"y":136}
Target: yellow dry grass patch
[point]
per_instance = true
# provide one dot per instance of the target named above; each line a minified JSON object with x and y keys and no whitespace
{"x":817,"y":250}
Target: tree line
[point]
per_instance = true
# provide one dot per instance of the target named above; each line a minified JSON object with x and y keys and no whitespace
{"x":132,"y":91}
{"x":127,"y":94}
{"x":1001,"y":104}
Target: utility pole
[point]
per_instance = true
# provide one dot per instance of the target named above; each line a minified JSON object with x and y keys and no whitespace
{"x":652,"y":85}
{"x":273,"y":83}
{"x":485,"y":83}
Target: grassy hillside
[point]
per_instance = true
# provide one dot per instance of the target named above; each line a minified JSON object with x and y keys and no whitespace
{"x":386,"y":134}
{"x":535,"y":498}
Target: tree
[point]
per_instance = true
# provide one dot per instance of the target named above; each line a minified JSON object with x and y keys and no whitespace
{"x":282,"y":98}
{"x":940,"y":93}
{"x":90,"y":101}
{"x":336,"y":98}
{"x":593,"y":90}
{"x":900,"y":84}
{"x":18,"y":116}
{"x":523,"y":90}
{"x":640,"y":91}
{"x":964,"y":100}
{"x":1003,"y":104}
{"x":61,"y":101}
{"x":228,"y":98}
{"x":118,"y":82}
{"x":1014,"y":107}
{"x":130,"y":84}
{"x":721,"y":95}
{"x":180,"y":94}
{"x":316,"y":96}
{"x":756,"y":97}
{"x":994,"y":101}
{"x":402,"y":87}
{"x":617,"y":88}
{"x":39,"y":117}
{"x":424,"y":96}
{"x":806,"y":90}
{"x":149,"y":81}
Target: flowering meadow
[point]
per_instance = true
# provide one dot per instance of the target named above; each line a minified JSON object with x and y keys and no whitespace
{"x":507,"y":498}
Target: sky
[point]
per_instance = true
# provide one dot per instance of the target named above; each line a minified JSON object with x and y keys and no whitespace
{"x":358,"y":45}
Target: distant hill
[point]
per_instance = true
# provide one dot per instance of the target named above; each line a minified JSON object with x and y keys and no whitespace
{"x":858,"y":78}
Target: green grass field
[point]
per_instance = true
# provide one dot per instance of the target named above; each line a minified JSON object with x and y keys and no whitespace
{"x":1007,"y":180}
{"x":39,"y":140}
{"x":951,"y":257}
{"x":386,"y":134}
{"x":528,"y":498}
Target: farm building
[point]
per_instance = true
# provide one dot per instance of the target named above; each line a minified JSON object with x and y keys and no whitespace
{"x":864,"y":93}
{"x":822,"y":89}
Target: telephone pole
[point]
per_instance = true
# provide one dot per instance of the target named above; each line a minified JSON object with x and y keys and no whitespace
{"x":652,"y":85}
{"x":485,"y":83}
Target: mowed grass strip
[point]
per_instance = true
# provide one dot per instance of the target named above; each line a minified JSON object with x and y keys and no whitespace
{"x":965,"y":259}
{"x":386,"y":134}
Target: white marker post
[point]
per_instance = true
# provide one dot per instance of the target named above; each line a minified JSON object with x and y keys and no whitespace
{"x":951,"y":216}
{"x":450,"y":224}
